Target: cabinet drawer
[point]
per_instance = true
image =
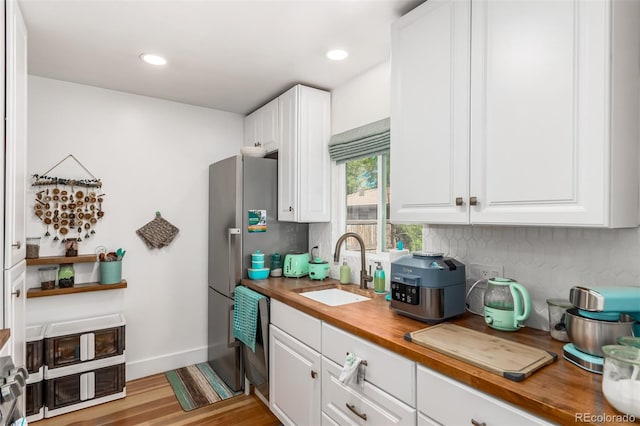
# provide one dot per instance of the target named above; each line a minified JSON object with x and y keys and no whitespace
{"x":303,"y":327}
{"x":76,"y":342}
{"x":76,"y":388}
{"x":385,"y":369}
{"x":449,"y":402}
{"x":373,"y":405}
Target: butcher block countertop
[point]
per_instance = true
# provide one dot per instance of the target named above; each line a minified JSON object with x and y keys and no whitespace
{"x":558,"y":392}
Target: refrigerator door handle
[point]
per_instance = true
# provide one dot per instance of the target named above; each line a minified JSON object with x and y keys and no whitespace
{"x":232,"y":259}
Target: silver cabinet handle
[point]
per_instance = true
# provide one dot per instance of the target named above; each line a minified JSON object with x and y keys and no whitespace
{"x":474,"y":422}
{"x":459,"y":201}
{"x":473,"y":201}
{"x":16,"y":293}
{"x":352,"y":407}
{"x":17,"y":245}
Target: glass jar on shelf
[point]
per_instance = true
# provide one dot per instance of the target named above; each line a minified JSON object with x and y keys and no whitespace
{"x":47,"y":277}
{"x":66,"y":275}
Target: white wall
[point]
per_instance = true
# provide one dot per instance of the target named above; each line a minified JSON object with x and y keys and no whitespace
{"x":547,"y":261}
{"x":360,"y":101}
{"x":151,"y":155}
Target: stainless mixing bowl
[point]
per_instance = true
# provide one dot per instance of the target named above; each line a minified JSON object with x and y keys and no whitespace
{"x":590,"y":335}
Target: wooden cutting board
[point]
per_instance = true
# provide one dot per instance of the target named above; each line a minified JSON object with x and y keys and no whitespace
{"x":508,"y":359}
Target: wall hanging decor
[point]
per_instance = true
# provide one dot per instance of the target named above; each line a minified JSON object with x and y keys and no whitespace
{"x":69,"y":208}
{"x":157,"y":233}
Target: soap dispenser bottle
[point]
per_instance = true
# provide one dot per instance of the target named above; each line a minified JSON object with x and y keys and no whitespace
{"x":379,"y":279}
{"x":345,"y":273}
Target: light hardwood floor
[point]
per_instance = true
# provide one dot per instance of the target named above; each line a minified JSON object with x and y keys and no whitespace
{"x":150,"y":401}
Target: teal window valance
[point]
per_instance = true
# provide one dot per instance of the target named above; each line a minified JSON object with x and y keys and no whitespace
{"x":364,"y":141}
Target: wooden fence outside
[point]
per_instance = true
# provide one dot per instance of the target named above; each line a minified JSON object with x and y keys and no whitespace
{"x":367,"y":230}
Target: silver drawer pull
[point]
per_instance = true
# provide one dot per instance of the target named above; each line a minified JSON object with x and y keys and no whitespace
{"x":352,"y":407}
{"x":474,"y":422}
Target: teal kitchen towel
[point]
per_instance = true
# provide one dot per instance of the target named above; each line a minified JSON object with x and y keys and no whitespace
{"x":245,"y":315}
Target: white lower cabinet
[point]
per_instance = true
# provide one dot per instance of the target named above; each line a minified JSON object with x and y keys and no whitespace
{"x":360,"y":404}
{"x":445,"y":401}
{"x":294,"y":366}
{"x":294,"y":387}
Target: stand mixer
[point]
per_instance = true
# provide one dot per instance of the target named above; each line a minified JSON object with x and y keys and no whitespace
{"x":600,"y":316}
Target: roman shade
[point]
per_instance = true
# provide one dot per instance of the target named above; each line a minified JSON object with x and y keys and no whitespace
{"x":364,"y":141}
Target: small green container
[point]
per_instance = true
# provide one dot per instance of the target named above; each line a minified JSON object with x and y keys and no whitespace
{"x":111,"y":272}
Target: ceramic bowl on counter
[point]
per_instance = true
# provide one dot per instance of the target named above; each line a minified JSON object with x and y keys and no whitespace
{"x":621,"y":378}
{"x":258,"y":273}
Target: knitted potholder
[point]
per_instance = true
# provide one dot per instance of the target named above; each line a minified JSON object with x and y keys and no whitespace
{"x":157,"y":233}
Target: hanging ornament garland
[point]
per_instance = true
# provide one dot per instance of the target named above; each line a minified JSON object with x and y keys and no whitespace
{"x":71,"y":206}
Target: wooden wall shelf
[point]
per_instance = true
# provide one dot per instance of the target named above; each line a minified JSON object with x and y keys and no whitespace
{"x":58,"y":260}
{"x":78,"y":288}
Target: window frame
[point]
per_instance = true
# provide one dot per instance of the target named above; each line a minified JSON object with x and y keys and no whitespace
{"x":341,"y":204}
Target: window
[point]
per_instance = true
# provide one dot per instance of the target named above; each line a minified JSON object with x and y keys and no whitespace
{"x":367,"y":207}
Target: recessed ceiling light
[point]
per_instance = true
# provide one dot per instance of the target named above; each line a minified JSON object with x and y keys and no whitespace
{"x":337,"y":54}
{"x":152,"y":59}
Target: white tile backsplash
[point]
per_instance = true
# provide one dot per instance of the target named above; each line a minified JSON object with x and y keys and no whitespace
{"x":547,"y":261}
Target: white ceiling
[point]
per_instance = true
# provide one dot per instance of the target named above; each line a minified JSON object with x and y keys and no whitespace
{"x":231,"y":55}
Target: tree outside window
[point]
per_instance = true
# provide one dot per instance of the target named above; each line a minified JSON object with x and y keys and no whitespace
{"x":368,"y":207}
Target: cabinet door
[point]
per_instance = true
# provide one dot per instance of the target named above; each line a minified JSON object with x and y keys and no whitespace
{"x":539,"y":112}
{"x":251,"y":129}
{"x":294,"y":380}
{"x":261,"y":126}
{"x":314,"y":196}
{"x":269,"y":126}
{"x":430,"y":113}
{"x":15,"y":295}
{"x":288,"y":155}
{"x":16,"y":136}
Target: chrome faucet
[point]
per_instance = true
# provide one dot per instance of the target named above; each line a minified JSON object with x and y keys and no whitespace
{"x":364,"y":277}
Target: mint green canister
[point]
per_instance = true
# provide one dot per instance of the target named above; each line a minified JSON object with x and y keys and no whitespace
{"x":111,"y":272}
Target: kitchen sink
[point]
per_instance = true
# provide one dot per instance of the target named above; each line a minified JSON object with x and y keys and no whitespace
{"x":334,"y":296}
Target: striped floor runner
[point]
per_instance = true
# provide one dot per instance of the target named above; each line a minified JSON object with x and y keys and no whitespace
{"x":197,"y":385}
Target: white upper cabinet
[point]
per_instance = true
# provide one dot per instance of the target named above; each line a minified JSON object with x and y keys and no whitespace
{"x":304,"y":166}
{"x":261,"y":126}
{"x":531,"y":118}
{"x":16,"y":137}
{"x":430,"y":113}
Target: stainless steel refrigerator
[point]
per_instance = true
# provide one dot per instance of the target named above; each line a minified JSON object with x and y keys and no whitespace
{"x":237,"y":186}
